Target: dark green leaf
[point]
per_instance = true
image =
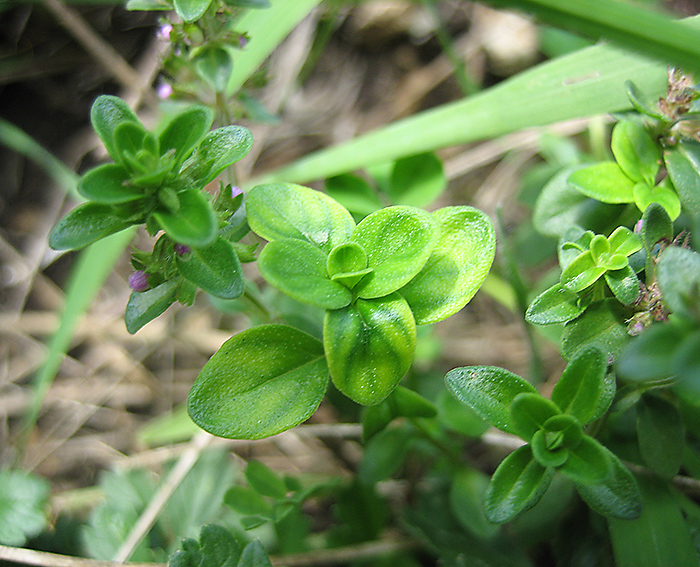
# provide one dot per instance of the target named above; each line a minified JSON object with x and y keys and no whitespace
{"x":248,"y":501}
{"x":84,"y":225}
{"x":617,"y":496}
{"x":261,"y":382}
{"x":370,"y":346}
{"x":407,"y":403}
{"x":683,"y":165}
{"x":587,"y":463}
{"x":656,"y":227}
{"x":216,"y":548}
{"x":517,"y":485}
{"x":217,"y":150}
{"x":660,"y":536}
{"x":254,"y":555}
{"x":602,"y":326}
{"x":686,"y":367}
{"x":284,"y":210}
{"x":384,"y":454}
{"x":578,"y":391}
{"x":23,"y":499}
{"x":263,"y":479}
{"x":216,"y":269}
{"x":106,"y":114}
{"x":144,"y":306}
{"x":466,"y":500}
{"x":191,"y":10}
{"x":582,"y":272}
{"x":458,"y":265}
{"x":194,"y":224}
{"x":489,"y":391}
{"x":635,"y":151}
{"x":129,"y":138}
{"x":459,"y":417}
{"x":376,"y":418}
{"x":398,"y":242}
{"x":603,"y":181}
{"x":214,"y":65}
{"x":529,"y":412}
{"x":354,"y":193}
{"x":678,"y":273}
{"x":661,"y":435}
{"x":417,"y":180}
{"x":544,"y":454}
{"x":555,"y":305}
{"x":649,"y":356}
{"x":298,"y":268}
{"x":624,"y":284}
{"x":184,"y":132}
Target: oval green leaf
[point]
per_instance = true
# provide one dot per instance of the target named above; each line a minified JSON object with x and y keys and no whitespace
{"x":184,"y":132}
{"x":555,"y":305}
{"x":194,"y":224}
{"x":106,"y":114}
{"x":587,"y":463}
{"x":108,"y":184}
{"x":678,"y":272}
{"x":354,"y":193}
{"x":398,"y":242}
{"x":417,"y":180}
{"x":369,"y":346}
{"x":663,"y":194}
{"x":603,"y":181}
{"x":459,"y":263}
{"x":635,"y":151}
{"x":578,"y":391}
{"x":216,"y":269}
{"x":298,"y":268}
{"x":191,"y":10}
{"x":284,"y":210}
{"x":489,"y":391}
{"x":261,"y":382}
{"x":517,"y":485}
{"x":217,"y":150}
{"x":144,"y":306}
{"x":661,"y":435}
{"x":529,"y":412}
{"x":683,"y":165}
{"x":84,"y":225}
{"x":602,"y":326}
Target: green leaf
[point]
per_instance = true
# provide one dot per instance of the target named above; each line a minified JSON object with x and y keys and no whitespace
{"x":214,"y":65}
{"x":261,"y":382}
{"x":280,"y":211}
{"x":144,"y":306}
{"x":529,"y":412}
{"x":194,"y":224}
{"x":354,"y":193}
{"x":581,"y":385}
{"x":217,"y":150}
{"x":184,"y":132}
{"x":656,"y":226}
{"x":254,"y":555}
{"x":216,"y":269}
{"x":686,"y":367}
{"x":376,"y":418}
{"x":603,"y":181}
{"x":248,"y":501}
{"x":263,"y":479}
{"x":641,"y":102}
{"x":129,"y":138}
{"x":298,"y":268}
{"x":602,"y":326}
{"x":106,"y":114}
{"x":517,"y":485}
{"x":635,"y":152}
{"x":459,"y":417}
{"x":369,"y":346}
{"x":23,"y":499}
{"x":587,"y":462}
{"x":458,"y":265}
{"x":384,"y":454}
{"x":407,"y":403}
{"x":582,"y":272}
{"x":466,"y":497}
{"x":663,"y":194}
{"x":660,"y":536}
{"x":216,"y":548}
{"x":624,"y":284}
{"x":649,"y":356}
{"x":85,"y":224}
{"x":661,"y":435}
{"x":398,"y":242}
{"x":489,"y":391}
{"x":545,"y":454}
{"x":678,"y":273}
{"x":346,"y":258}
{"x":617,"y":496}
{"x":191,"y":10}
{"x":555,"y":305}
{"x":683,"y":166}
{"x":417,"y":180}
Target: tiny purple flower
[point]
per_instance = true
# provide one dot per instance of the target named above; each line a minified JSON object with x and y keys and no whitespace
{"x":181,"y":249}
{"x":164,"y":90}
{"x":242,"y":41}
{"x":638,"y":226}
{"x":163,"y":32}
{"x":138,"y":281}
{"x":235,"y":191}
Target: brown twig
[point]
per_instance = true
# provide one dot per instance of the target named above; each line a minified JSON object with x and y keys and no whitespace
{"x":44,"y":559}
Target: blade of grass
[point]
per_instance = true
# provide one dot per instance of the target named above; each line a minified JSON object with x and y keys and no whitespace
{"x":584,"y":83}
{"x":632,"y":27}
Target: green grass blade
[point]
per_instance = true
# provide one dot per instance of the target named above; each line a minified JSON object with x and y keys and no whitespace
{"x":20,"y":142}
{"x":584,"y":83}
{"x":647,"y":32}
{"x":266,"y":28}
{"x":89,"y":274}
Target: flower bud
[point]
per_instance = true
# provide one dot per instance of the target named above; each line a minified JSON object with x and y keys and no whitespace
{"x":181,"y":249}
{"x":138,"y":281}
